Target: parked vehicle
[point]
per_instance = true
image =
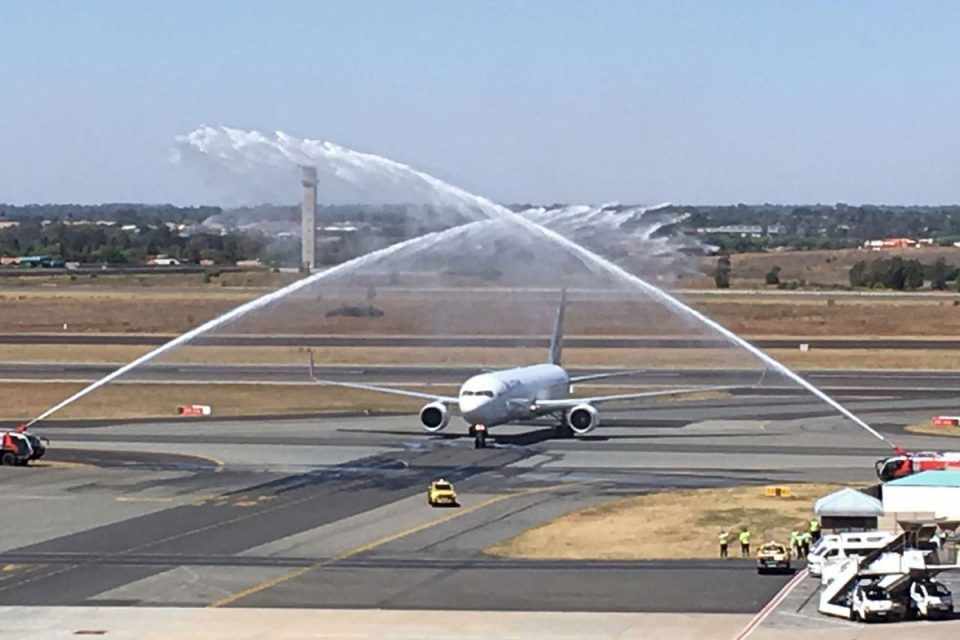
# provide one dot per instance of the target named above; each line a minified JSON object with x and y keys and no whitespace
{"x":20,"y":447}
{"x":15,"y":449}
{"x":773,"y":556}
{"x":905,"y":463}
{"x":870,"y":602}
{"x":930,"y":599}
{"x":837,"y":546}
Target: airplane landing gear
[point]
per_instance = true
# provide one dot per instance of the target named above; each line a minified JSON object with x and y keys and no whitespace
{"x":479,"y":433}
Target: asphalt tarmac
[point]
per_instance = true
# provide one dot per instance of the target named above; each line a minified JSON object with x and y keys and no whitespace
{"x":329,"y":512}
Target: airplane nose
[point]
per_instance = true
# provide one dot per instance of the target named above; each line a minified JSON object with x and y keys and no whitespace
{"x":471,"y":405}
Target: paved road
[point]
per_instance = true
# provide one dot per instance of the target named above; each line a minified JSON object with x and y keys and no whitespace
{"x":573,"y":342}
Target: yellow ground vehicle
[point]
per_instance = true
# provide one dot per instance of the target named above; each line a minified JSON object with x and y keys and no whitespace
{"x":773,"y":556}
{"x":441,"y":492}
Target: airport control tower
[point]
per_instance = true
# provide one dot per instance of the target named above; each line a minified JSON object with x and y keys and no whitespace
{"x":308,"y":219}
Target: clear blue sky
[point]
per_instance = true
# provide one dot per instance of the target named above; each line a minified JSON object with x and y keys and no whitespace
{"x":634,"y":101}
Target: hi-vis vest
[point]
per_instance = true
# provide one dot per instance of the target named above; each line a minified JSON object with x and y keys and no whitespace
{"x":814,"y":526}
{"x":724,"y":537}
{"x":744,"y":537}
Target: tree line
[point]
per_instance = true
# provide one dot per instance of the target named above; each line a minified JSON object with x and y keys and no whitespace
{"x":902,"y":274}
{"x":821,"y":226}
{"x":112,"y":245}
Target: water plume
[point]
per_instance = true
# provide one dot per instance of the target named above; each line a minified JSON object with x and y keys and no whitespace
{"x":249,"y":156}
{"x":235,"y":148}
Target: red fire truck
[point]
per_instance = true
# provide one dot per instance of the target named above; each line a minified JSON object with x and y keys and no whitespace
{"x":905,"y":463}
{"x":20,"y":447}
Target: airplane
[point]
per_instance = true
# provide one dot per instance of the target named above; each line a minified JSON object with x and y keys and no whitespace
{"x":508,"y":395}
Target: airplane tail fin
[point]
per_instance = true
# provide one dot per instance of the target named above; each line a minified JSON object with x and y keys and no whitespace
{"x":556,"y":340}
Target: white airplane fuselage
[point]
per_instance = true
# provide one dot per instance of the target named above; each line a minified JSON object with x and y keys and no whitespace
{"x":499,"y":397}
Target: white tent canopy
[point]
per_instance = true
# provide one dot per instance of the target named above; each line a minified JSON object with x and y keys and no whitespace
{"x":848,"y":503}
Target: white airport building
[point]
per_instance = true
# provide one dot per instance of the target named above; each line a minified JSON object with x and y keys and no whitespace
{"x":931,"y":494}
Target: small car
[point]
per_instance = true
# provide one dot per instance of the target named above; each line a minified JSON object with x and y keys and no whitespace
{"x":869,"y":602}
{"x":930,"y":599}
{"x":440,"y":493}
{"x":773,"y":556}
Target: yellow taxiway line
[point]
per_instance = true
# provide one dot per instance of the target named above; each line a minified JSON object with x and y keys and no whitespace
{"x":269,"y":584}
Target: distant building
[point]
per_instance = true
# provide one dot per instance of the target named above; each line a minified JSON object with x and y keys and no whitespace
{"x":890,"y":243}
{"x":130,"y":228}
{"x":9,"y":261}
{"x":41,"y":261}
{"x":8,"y":224}
{"x":744,"y":230}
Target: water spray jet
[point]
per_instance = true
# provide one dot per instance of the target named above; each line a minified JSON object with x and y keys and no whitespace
{"x":345,"y":164}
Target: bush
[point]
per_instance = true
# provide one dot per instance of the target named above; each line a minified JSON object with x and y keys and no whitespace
{"x":721,"y":276}
{"x":356,"y":311}
{"x":894,"y":273}
{"x":773,"y":276}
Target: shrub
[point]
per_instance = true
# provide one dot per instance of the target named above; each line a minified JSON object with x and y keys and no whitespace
{"x":773,"y":276}
{"x":721,"y":276}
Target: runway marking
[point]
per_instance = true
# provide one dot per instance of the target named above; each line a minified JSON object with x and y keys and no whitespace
{"x":269,"y":584}
{"x":144,"y":499}
{"x":769,"y":608}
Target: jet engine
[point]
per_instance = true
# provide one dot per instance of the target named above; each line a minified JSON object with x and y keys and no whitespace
{"x":434,"y":417}
{"x":583,"y":419}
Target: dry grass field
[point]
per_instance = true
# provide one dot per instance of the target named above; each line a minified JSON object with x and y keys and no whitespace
{"x":175,"y":310}
{"x":933,"y":430}
{"x":670,"y":525}
{"x":480,"y":357}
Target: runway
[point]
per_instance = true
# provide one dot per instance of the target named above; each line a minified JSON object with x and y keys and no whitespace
{"x":840,"y":380}
{"x":328,"y":512}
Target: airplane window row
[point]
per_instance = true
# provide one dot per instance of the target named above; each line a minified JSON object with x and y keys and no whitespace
{"x":488,"y":394}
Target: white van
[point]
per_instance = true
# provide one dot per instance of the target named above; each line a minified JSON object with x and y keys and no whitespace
{"x":836,"y":546}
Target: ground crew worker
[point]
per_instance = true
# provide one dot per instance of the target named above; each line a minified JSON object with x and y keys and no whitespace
{"x":745,"y":543}
{"x":805,"y":539}
{"x":815,"y":529}
{"x":724,"y":540}
{"x":795,"y":543}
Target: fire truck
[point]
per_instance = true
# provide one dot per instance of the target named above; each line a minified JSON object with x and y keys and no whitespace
{"x":20,"y":447}
{"x":905,"y":463}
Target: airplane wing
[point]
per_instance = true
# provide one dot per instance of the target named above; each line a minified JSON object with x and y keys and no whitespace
{"x":567,"y":403}
{"x":391,"y":390}
{"x":601,"y":376}
{"x":372,"y":387}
